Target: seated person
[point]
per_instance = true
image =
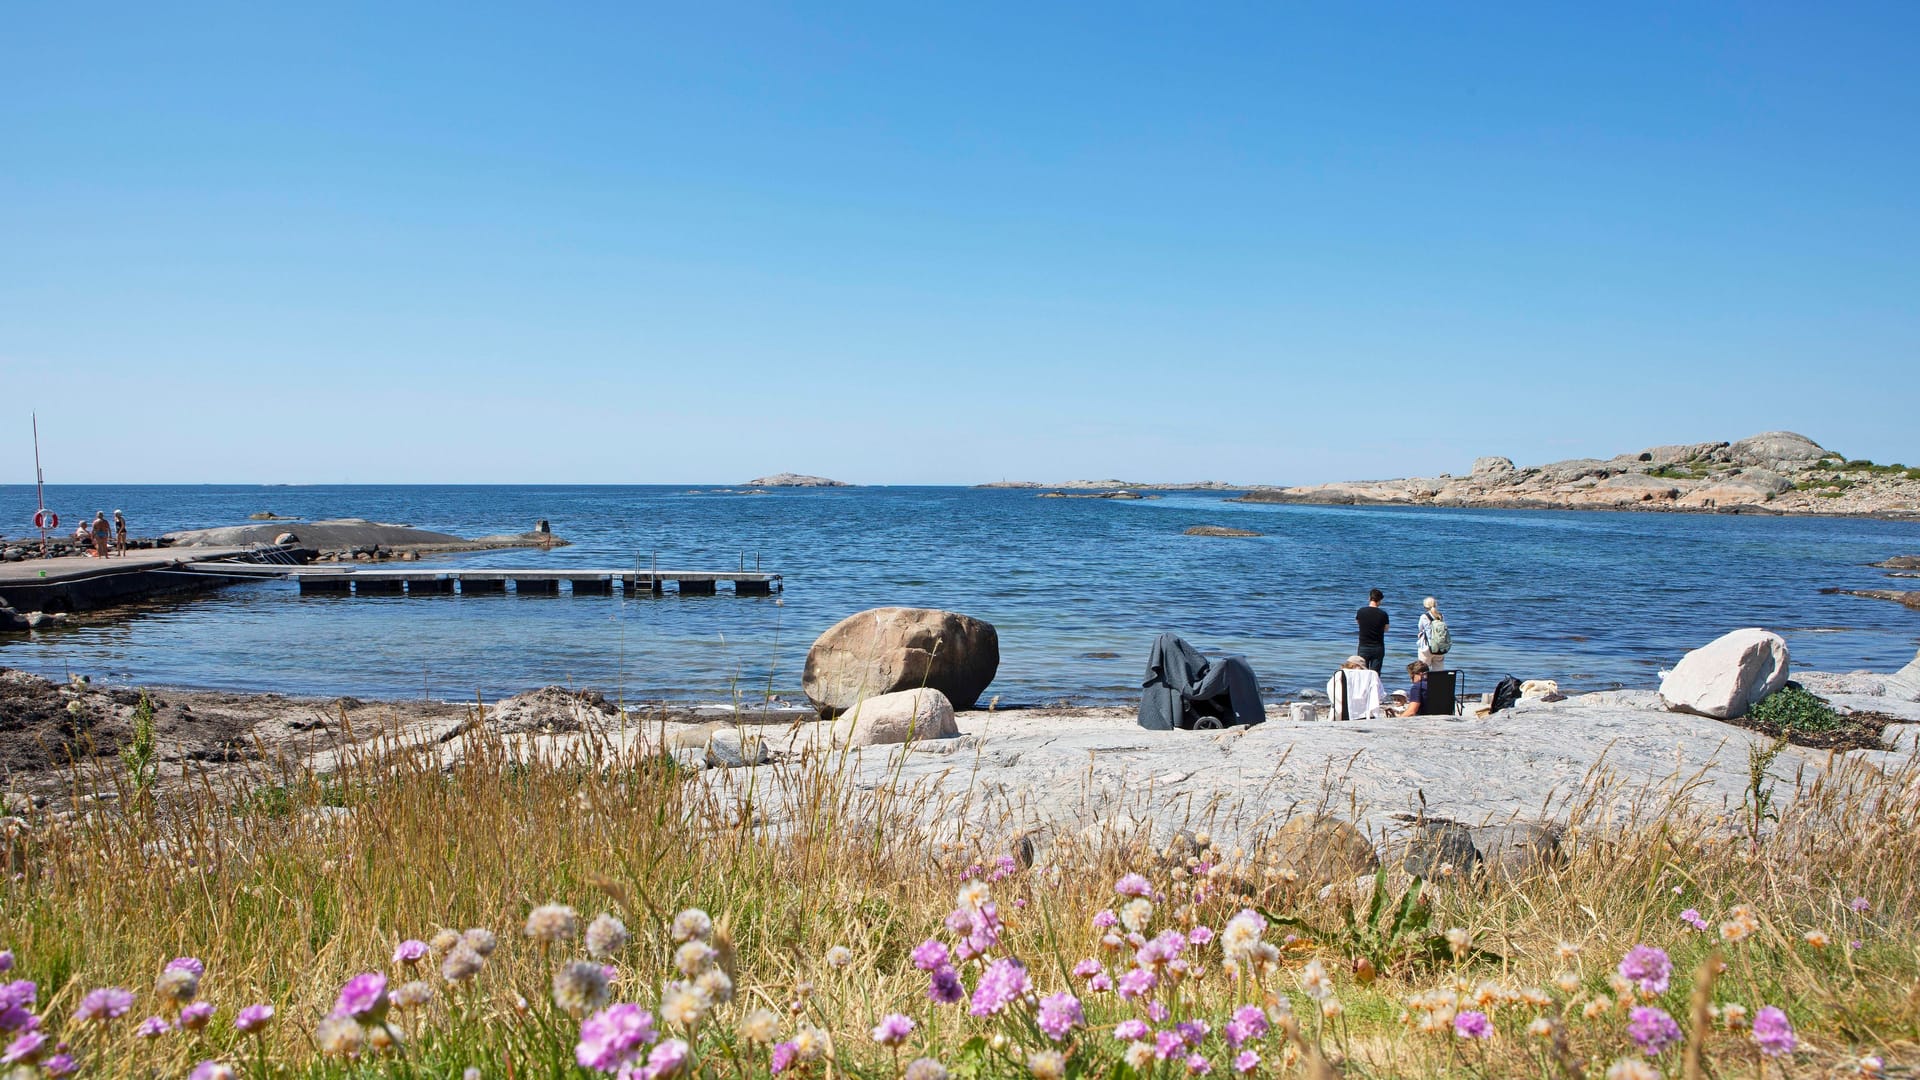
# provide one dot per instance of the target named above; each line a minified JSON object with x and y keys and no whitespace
{"x":1355,"y":690}
{"x":1417,"y":693}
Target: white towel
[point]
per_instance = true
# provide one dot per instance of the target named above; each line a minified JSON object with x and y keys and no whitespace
{"x":1361,"y":689}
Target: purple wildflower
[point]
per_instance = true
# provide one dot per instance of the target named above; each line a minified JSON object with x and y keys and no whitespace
{"x":107,"y":1003}
{"x":1860,"y":905}
{"x":1157,"y":1012}
{"x":186,"y":963}
{"x":24,"y":1050}
{"x":782,"y":1057}
{"x":1104,"y":919}
{"x":1192,"y":1032}
{"x":945,"y":988}
{"x":1198,"y":1066}
{"x":1648,"y":968}
{"x":1692,"y":918}
{"x":6,"y":959}
{"x":1060,"y":1014}
{"x":1086,"y":969}
{"x":1652,"y":1029}
{"x":411,"y":952}
{"x":61,"y":1064}
{"x":1249,"y":1024}
{"x":1773,"y":1032}
{"x":1137,"y":982}
{"x":1133,"y":885}
{"x":1246,"y":1062}
{"x":195,"y":1016}
{"x":1131,"y":1030}
{"x":1200,"y":935}
{"x":930,"y":955}
{"x":253,"y":1018}
{"x":212,"y":1070}
{"x":1168,"y":1044}
{"x":153,"y":1027}
{"x":364,"y":997}
{"x":666,"y":1059}
{"x":613,"y":1037}
{"x":1472,"y":1025}
{"x":1100,"y":983}
{"x":892,"y":1030}
{"x":1005,"y":980}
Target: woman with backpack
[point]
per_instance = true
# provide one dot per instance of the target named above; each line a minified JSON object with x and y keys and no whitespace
{"x":1435,"y":639}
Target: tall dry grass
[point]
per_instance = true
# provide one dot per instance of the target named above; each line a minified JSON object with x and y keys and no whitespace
{"x":288,"y":881}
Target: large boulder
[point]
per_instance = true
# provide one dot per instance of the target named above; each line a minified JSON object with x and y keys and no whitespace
{"x":906,"y":716}
{"x":1321,"y":849}
{"x":1725,"y":676}
{"x":1780,"y":451}
{"x":887,"y":649}
{"x":1493,"y":466}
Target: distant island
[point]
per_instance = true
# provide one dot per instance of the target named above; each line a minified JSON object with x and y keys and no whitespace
{"x":787,"y":479}
{"x":1777,"y":472}
{"x":1116,"y":485}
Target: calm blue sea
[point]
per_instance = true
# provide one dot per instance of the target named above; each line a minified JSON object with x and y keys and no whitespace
{"x":1592,"y":599}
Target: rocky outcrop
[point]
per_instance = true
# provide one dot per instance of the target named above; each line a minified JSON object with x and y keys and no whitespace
{"x":1774,"y":472}
{"x":906,"y":716}
{"x":1905,"y":597}
{"x":883,"y":650}
{"x":1722,"y":678}
{"x":354,"y":535}
{"x":787,"y":479}
{"x":1218,"y":530}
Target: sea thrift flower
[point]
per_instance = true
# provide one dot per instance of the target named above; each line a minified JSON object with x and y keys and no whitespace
{"x":1198,"y":1066}
{"x":1131,"y":1030}
{"x":461,"y":964}
{"x":1168,"y":1044}
{"x":760,"y":1026}
{"x":715,"y":985}
{"x":1458,"y":939}
{"x":579,"y":987}
{"x":252,"y":1018}
{"x":1773,"y":1032}
{"x":1647,"y":968}
{"x":781,"y":1057}
{"x":552,"y":924}
{"x":410,"y":996}
{"x":1005,"y":980}
{"x":1540,"y":1028}
{"x":692,"y":924}
{"x":1086,"y":969}
{"x":1134,"y":914}
{"x":1133,"y":885}
{"x":1249,"y":1024}
{"x":667,"y":1059}
{"x":1740,"y":925}
{"x":1100,"y":983}
{"x":1315,"y":980}
{"x":109,"y":1003}
{"x":811,"y":1043}
{"x":1059,"y":1014}
{"x":1104,"y":919}
{"x":839,"y":957}
{"x":152,"y":1027}
{"x":1859,"y":904}
{"x":1139,"y":1056}
{"x":694,"y":957}
{"x":196,"y":1016}
{"x":188,"y":963}
{"x":481,"y":940}
{"x":1816,"y":938}
{"x":1047,"y":1065}
{"x":410,"y":951}
{"x":944,"y":987}
{"x":930,"y":955}
{"x":1246,"y":1063}
{"x":340,"y":1036}
{"x":1157,"y":1012}
{"x":682,"y":1005}
{"x":1652,"y":1029}
{"x":1199,"y":935}
{"x":62,"y":1064}
{"x":1692,"y":918}
{"x":924,"y":1069}
{"x":6,"y":960}
{"x":892,"y":1030}
{"x":24,"y":1050}
{"x":177,"y":985}
{"x":1472,"y":1025}
{"x":613,"y":1037}
{"x":1632,"y":1069}
{"x":444,"y":941}
{"x":364,"y":997}
{"x":212,"y":1070}
{"x":1137,"y":982}
{"x":606,"y":936}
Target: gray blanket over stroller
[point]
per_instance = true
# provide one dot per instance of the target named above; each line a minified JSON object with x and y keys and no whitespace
{"x":1184,"y":690}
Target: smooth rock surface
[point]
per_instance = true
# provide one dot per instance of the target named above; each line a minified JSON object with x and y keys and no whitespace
{"x":906,"y":716}
{"x":887,"y":649}
{"x":1722,"y":678}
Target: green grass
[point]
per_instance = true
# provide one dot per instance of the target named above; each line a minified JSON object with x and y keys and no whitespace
{"x":1793,"y":708}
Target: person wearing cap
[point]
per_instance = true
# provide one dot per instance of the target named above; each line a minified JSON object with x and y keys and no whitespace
{"x":101,"y":532}
{"x":1355,"y":690}
{"x":120,"y":532}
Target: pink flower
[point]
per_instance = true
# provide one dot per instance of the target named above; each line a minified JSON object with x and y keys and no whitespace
{"x":1246,"y":1062}
{"x":108,"y":1003}
{"x":59,"y":1065}
{"x":1472,"y":1025}
{"x":892,"y":1030}
{"x":253,"y":1018}
{"x":1199,"y":935}
{"x":1168,"y":1045}
{"x":1773,"y":1032}
{"x":1647,"y":968}
{"x":1652,"y":1029}
{"x":1100,"y":983}
{"x":1137,"y":982}
{"x":24,"y":1050}
{"x":1104,"y":919}
{"x":152,"y":1028}
{"x":1131,"y":1030}
{"x":1692,"y":918}
{"x":1859,"y":904}
{"x":186,"y":963}
{"x":945,"y":988}
{"x":1133,"y":885}
{"x":1198,"y":1066}
{"x":930,"y":955}
{"x":195,"y":1016}
{"x":212,"y":1070}
{"x":1157,"y":1012}
{"x":411,"y":952}
{"x":1005,"y":980}
{"x":6,"y":959}
{"x":1249,"y":1024}
{"x":1086,"y":969}
{"x":666,"y":1059}
{"x":1059,"y":1014}
{"x":364,"y":997}
{"x":783,"y":1054}
{"x":613,"y":1037}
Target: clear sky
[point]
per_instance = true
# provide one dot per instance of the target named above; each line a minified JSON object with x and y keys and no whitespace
{"x":892,"y":244}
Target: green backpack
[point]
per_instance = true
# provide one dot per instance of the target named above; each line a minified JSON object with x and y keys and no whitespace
{"x":1438,"y":639}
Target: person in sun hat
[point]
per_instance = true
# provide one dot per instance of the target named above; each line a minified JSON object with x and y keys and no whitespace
{"x":1354,"y":690}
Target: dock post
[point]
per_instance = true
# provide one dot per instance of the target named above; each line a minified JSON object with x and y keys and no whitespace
{"x":752,"y":587}
{"x":592,"y":586}
{"x":536,"y":586}
{"x":691,"y":587}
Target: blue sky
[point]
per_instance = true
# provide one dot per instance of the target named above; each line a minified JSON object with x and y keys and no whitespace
{"x":891,"y":244}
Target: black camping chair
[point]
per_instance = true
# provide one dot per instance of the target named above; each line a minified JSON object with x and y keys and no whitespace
{"x":1443,"y":697}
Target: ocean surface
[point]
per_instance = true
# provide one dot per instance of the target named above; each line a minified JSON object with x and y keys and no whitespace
{"x":1076,"y":587}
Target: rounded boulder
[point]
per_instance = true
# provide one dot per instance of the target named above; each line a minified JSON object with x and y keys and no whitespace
{"x":889,"y":649}
{"x":1321,"y":849}
{"x":1722,"y":678}
{"x":906,"y":716}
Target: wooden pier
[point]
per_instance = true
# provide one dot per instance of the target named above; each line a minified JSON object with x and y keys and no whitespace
{"x":443,"y":581}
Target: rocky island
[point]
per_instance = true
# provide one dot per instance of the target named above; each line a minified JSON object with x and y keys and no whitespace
{"x":1777,"y":472}
{"x":787,"y":479}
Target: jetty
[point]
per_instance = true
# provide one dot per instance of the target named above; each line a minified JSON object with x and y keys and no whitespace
{"x":78,"y":583}
{"x":430,"y":581}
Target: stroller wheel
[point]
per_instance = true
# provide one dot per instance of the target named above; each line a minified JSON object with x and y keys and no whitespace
{"x":1206,"y":723}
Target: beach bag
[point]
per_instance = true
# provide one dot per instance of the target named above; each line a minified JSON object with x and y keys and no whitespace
{"x":1505,"y":694}
{"x":1438,"y":639}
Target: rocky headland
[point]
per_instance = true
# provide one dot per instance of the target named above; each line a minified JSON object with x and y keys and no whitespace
{"x":787,"y":479}
{"x":1778,"y":472}
{"x":358,"y":538}
{"x":1114,"y":485}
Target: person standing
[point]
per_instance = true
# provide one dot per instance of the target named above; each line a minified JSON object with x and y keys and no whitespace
{"x":1435,"y":638}
{"x":1373,"y":631}
{"x":102,"y":534}
{"x":120,"y":532}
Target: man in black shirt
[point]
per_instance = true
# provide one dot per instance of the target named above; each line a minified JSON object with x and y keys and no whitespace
{"x":1373,"y":630}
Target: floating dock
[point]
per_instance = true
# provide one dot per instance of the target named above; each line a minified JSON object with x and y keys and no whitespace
{"x":441,"y":581}
{"x":77,"y":583}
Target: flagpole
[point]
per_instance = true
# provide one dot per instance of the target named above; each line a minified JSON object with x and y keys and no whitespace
{"x":39,"y":485}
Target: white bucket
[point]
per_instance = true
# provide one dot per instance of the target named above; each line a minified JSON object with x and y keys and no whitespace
{"x":1302,"y":712}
